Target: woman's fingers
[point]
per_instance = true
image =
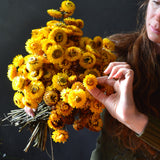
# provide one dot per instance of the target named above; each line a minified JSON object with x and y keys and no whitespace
{"x":104,"y":80}
{"x":29,"y":111}
{"x":99,"y":95}
{"x":123,"y":72}
{"x":113,"y":67}
{"x":125,"y":80}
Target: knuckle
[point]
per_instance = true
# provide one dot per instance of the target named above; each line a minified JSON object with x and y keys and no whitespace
{"x":127,"y":65}
{"x":130,"y":71}
{"x":112,"y":64}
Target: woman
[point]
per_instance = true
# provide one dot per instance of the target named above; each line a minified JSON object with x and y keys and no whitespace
{"x":132,"y":118}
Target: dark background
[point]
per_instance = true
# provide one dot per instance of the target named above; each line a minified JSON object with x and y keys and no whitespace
{"x":17,"y":19}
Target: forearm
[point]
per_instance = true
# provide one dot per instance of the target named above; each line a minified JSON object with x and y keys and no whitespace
{"x":137,"y":122}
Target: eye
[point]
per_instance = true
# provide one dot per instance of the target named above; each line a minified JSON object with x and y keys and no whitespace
{"x":156,"y":2}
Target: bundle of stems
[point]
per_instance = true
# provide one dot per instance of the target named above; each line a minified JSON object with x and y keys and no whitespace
{"x":37,"y":124}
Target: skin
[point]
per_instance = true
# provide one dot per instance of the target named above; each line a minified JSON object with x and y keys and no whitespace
{"x":121,"y":104}
{"x":153,"y":21}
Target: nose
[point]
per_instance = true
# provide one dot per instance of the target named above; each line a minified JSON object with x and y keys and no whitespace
{"x":158,"y":15}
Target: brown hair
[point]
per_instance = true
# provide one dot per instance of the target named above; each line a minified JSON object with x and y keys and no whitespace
{"x":137,"y":50}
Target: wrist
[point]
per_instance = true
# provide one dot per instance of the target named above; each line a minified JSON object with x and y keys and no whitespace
{"x":137,"y":122}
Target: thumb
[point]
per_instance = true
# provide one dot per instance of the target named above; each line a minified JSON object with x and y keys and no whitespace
{"x":98,"y":94}
{"x":29,"y":111}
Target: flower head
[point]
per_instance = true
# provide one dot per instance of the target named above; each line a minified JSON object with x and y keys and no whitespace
{"x":97,"y":107}
{"x":108,"y":44}
{"x":55,"y":13}
{"x":87,"y":60}
{"x":17,"y":98}
{"x":18,"y":83}
{"x":34,"y":90}
{"x":22,"y":71}
{"x":33,"y":62}
{"x":64,"y":94}
{"x":73,"y":53}
{"x":95,"y":123}
{"x":58,"y":35}
{"x":35,"y":75}
{"x":51,"y":97}
{"x":12,"y":72}
{"x":55,"y":54}
{"x":63,"y":108}
{"x":90,"y":81}
{"x":18,"y":60}
{"x":60,"y":81}
{"x":55,"y":124}
{"x":98,"y":42}
{"x":46,"y":44}
{"x":33,"y":46}
{"x":60,"y":136}
{"x":68,"y":6}
{"x":77,"y":98}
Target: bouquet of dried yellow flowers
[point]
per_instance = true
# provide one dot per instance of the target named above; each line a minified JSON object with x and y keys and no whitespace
{"x":54,"y":78}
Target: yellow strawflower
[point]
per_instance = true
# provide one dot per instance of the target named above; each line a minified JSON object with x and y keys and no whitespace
{"x":51,"y":97}
{"x":98,"y":42}
{"x":33,"y":62}
{"x":54,"y":13}
{"x":79,"y":23}
{"x":77,"y":98}
{"x":46,"y":44}
{"x":55,"y":54}
{"x":18,"y":83}
{"x":18,"y":60}
{"x":60,"y":136}
{"x":54,"y":116}
{"x":64,"y":94}
{"x":17,"y":98}
{"x":108,"y":44}
{"x":87,"y":60}
{"x":35,"y":75}
{"x":22,"y":71}
{"x":12,"y":72}
{"x":34,"y":90}
{"x":33,"y":46}
{"x":58,"y":35}
{"x":73,"y":53}
{"x":97,"y":107}
{"x":60,"y":81}
{"x":68,"y":6}
{"x":90,"y":81}
{"x":55,"y":124}
{"x":63,"y":108}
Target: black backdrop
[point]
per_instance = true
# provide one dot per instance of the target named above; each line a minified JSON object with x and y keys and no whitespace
{"x":17,"y":19}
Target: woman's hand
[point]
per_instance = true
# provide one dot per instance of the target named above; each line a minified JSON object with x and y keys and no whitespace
{"x":29,"y":111}
{"x":121,"y":104}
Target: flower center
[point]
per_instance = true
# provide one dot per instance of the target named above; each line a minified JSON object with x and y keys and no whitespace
{"x":78,"y":99}
{"x":59,"y":37}
{"x":62,"y":81}
{"x":34,"y":89}
{"x":57,"y":53}
{"x":88,"y":60}
{"x":90,"y":82}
